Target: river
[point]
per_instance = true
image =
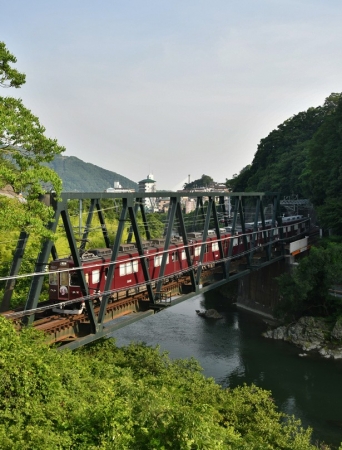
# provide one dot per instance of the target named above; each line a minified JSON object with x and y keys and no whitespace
{"x":233,"y":351}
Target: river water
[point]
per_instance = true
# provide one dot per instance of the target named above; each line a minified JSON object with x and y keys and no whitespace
{"x":233,"y":351}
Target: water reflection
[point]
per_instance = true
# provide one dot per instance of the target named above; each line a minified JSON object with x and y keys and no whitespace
{"x":232,"y":351}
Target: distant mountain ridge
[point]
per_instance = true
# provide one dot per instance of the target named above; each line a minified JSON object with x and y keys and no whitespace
{"x":80,"y":176}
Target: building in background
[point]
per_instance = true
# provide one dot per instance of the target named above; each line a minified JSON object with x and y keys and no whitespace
{"x":118,"y":188}
{"x":148,"y":185}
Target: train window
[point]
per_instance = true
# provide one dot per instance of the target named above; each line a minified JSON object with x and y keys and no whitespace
{"x":295,"y":227}
{"x":197,"y":251}
{"x":174,"y":256}
{"x":122,"y":270}
{"x":235,"y":241}
{"x":158,"y":260}
{"x":276,"y":231}
{"x":74,"y":281}
{"x":288,"y":228}
{"x":129,"y":268}
{"x":135,"y":266}
{"x":183,"y":255}
{"x":215,"y":247}
{"x":53,"y":278}
{"x":64,"y":278}
{"x":95,"y":276}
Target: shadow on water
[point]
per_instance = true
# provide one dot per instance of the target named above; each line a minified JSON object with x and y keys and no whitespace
{"x":233,"y":351}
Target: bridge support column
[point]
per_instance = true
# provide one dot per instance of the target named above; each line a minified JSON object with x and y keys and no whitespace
{"x":259,"y":291}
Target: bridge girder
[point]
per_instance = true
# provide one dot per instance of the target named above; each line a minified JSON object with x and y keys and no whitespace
{"x":212,"y":209}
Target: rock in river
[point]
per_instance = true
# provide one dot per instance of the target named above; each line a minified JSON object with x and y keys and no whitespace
{"x":311,"y":333}
{"x":209,"y":314}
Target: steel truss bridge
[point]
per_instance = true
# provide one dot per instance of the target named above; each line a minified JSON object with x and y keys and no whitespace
{"x":213,"y":211}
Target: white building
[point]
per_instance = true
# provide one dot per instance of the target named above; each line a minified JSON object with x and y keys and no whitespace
{"x":149,"y":185}
{"x":190,"y":205}
{"x":118,"y":188}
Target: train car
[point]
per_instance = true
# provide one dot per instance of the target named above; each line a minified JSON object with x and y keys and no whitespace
{"x":291,"y":226}
{"x":128,"y":275}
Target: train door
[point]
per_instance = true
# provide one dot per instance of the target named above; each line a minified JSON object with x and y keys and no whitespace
{"x":59,"y":281}
{"x":63,"y":292}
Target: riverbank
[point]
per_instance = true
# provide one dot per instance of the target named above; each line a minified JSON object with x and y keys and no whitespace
{"x":312,"y":334}
{"x":317,"y":335}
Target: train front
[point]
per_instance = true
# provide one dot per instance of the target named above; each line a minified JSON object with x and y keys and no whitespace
{"x":63,"y":282}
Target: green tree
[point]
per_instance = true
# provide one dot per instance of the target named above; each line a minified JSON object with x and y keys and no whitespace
{"x":306,"y":289}
{"x":324,"y":174}
{"x":282,"y":161}
{"x":24,"y":149}
{"x":238,"y":179}
{"x":104,"y":397}
{"x":205,"y":181}
{"x":9,"y":77}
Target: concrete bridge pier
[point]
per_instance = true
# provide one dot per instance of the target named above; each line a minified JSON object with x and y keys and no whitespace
{"x":258,"y":291}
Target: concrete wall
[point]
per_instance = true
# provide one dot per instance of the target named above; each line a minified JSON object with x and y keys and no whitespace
{"x":259,"y":290}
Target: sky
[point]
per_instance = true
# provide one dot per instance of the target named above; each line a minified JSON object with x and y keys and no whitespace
{"x":174,"y":88}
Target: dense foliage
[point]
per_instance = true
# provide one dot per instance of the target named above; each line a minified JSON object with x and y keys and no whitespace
{"x":24,"y":148}
{"x":302,"y":157}
{"x":325,"y":171}
{"x":204,"y":182}
{"x":9,"y":76}
{"x":80,"y":176}
{"x":306,"y":290}
{"x":282,"y":157}
{"x":104,"y":397}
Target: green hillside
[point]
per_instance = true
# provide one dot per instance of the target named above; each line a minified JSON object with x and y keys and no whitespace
{"x":302,"y":156}
{"x":80,"y":176}
{"x":283,"y":159}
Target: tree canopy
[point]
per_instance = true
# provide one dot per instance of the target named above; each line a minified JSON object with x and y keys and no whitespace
{"x":204,"y":181}
{"x":302,"y":157}
{"x":305,"y":291}
{"x":324,"y":172}
{"x":9,"y":77}
{"x":24,"y":148}
{"x":104,"y":397}
{"x":282,"y":158}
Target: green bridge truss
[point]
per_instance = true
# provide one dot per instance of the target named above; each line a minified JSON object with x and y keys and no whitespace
{"x":213,"y":210}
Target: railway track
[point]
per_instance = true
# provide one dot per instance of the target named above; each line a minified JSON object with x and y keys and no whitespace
{"x":60,"y":328}
{"x":65,"y":328}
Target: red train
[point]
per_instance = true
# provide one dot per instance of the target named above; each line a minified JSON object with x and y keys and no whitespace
{"x":128,"y":275}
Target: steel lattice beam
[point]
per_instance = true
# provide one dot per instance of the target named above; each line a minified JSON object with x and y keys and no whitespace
{"x":208,"y":207}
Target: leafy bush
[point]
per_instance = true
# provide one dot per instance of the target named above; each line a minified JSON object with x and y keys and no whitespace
{"x":104,"y":397}
{"x":306,"y":289}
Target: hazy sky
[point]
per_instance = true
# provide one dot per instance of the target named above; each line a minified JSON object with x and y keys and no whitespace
{"x":172,"y":87}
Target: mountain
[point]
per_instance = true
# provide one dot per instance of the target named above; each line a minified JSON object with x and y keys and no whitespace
{"x":282,"y":162}
{"x":302,"y":157}
{"x":80,"y":176}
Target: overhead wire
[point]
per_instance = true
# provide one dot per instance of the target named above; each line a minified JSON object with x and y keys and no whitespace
{"x":160,"y":252}
{"x":111,"y":291}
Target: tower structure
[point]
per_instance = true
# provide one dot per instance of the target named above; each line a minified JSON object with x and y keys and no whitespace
{"x":148,"y":184}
